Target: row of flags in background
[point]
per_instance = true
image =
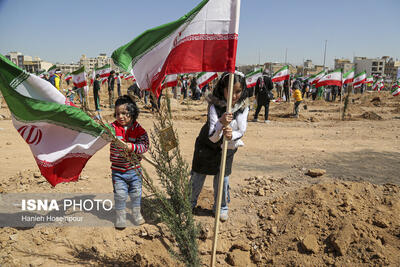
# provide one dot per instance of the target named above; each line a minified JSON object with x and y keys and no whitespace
{"x":323,"y":78}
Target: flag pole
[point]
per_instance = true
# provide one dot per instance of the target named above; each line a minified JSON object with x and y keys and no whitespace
{"x":224,"y":152}
{"x":221,"y":175}
{"x":341,"y":92}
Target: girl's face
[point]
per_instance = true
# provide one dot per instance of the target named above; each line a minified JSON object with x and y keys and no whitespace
{"x":122,"y":115}
{"x":237,"y":92}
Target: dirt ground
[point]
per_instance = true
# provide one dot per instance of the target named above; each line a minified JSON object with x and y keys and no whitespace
{"x":278,"y":216}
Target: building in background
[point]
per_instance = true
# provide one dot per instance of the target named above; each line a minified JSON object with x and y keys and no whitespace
{"x":28,"y":63}
{"x":391,"y":69}
{"x":275,"y":66}
{"x":344,"y":64}
{"x":372,"y":66}
{"x":17,"y":58}
{"x":65,"y":68}
{"x":99,"y":61}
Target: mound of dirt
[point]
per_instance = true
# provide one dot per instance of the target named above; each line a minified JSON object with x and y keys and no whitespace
{"x":396,"y":110}
{"x":340,"y":224}
{"x":370,"y":115}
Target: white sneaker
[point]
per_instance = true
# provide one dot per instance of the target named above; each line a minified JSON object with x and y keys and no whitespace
{"x":223,"y":216}
{"x":267,"y":121}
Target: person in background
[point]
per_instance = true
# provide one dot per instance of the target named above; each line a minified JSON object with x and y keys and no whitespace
{"x":118,"y":84}
{"x":55,"y":79}
{"x":305,"y":89}
{"x":263,"y":95}
{"x":111,"y":81}
{"x":297,"y":97}
{"x":286,"y":92}
{"x":96,"y":89}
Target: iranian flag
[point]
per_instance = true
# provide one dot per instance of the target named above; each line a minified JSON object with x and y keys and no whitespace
{"x":252,"y":77}
{"x":79,"y":77}
{"x":396,"y":89}
{"x":52,"y":70}
{"x":369,"y":80}
{"x":104,"y":71}
{"x":68,"y":76}
{"x":281,"y":75}
{"x":360,"y":78}
{"x":61,"y":137}
{"x":205,"y":39}
{"x":129,"y":76}
{"x":315,"y":78}
{"x":348,"y":77}
{"x":170,"y":81}
{"x":332,"y":78}
{"x":378,"y":85}
{"x":204,"y":78}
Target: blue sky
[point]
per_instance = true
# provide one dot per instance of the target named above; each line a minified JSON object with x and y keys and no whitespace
{"x":61,"y":31}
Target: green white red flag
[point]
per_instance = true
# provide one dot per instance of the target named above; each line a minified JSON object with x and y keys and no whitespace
{"x":170,"y":81}
{"x":104,"y":71}
{"x":378,"y":85}
{"x":252,"y":77}
{"x":79,"y":77}
{"x":205,"y":39}
{"x":61,"y":137}
{"x":360,"y":78}
{"x":369,"y":80}
{"x":281,"y":75}
{"x":315,"y":78}
{"x":348,"y":77}
{"x":129,"y":76}
{"x":68,"y":76}
{"x":52,"y":70}
{"x":204,"y":78}
{"x":332,"y":78}
{"x":395,"y":91}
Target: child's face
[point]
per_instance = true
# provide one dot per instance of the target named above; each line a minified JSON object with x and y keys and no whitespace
{"x":237,"y":92}
{"x":122,"y":115}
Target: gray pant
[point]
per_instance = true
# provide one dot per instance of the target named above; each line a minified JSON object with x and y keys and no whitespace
{"x":197,"y":181}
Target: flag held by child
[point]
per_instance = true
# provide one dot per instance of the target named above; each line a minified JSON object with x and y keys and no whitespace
{"x":205,"y":39}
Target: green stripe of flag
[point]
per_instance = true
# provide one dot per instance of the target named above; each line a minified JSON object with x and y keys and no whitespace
{"x":130,"y":53}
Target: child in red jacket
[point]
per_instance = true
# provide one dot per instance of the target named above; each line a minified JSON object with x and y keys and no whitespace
{"x":125,"y":175}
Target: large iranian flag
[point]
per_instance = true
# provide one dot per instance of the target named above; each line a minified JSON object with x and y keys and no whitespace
{"x":61,"y":137}
{"x":315,"y":78}
{"x":170,"y":81}
{"x":348,"y":77}
{"x":205,"y":39}
{"x":332,"y":78}
{"x":252,"y":77}
{"x":360,"y":78}
{"x":281,"y":75}
{"x":79,"y":77}
{"x":204,"y":78}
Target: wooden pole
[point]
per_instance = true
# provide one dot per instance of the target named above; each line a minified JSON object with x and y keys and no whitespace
{"x":221,"y":175}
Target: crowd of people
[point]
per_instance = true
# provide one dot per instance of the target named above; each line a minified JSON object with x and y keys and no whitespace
{"x":207,"y":149}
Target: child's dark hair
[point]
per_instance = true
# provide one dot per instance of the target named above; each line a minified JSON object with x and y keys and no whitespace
{"x":224,"y":82}
{"x":130,"y":106}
